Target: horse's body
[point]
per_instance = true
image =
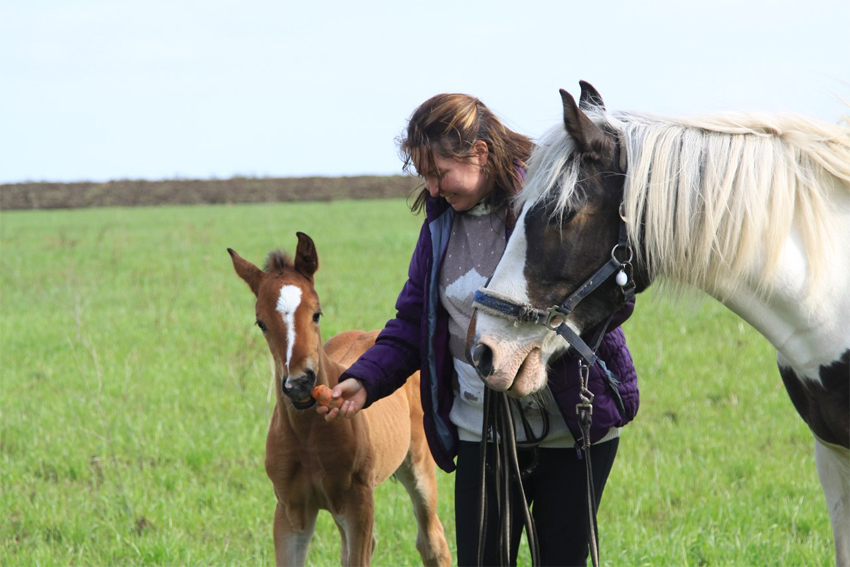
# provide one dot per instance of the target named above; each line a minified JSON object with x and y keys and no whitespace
{"x":319,"y":465}
{"x":754,"y":211}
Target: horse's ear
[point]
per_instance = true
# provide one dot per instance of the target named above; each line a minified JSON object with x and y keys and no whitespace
{"x":590,"y":97}
{"x":589,"y":138}
{"x":306,"y":259}
{"x":247,"y":271}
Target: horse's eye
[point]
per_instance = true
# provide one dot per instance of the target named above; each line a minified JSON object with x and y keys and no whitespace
{"x":316,"y":316}
{"x":564,"y":218}
{"x":262,"y":326}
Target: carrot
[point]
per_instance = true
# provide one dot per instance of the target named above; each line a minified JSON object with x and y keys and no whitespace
{"x":322,"y":395}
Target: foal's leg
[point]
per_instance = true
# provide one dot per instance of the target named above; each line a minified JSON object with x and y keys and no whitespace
{"x":833,"y":464}
{"x":292,"y":534}
{"x":417,"y":475}
{"x":354,"y":518}
{"x":343,"y":547}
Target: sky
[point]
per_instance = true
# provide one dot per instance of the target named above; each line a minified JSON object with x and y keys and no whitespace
{"x":94,"y":90}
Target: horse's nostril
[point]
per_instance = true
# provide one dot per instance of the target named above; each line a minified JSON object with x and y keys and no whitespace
{"x":482,"y":359}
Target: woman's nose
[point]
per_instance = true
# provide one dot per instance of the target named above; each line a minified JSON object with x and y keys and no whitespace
{"x":433,"y":187}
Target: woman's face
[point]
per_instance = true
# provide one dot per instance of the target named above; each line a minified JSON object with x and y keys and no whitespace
{"x":463,"y":183}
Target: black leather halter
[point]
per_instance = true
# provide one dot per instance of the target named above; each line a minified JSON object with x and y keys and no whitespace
{"x":500,"y":305}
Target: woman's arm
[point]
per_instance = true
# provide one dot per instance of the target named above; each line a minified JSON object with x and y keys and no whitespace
{"x":386,"y":366}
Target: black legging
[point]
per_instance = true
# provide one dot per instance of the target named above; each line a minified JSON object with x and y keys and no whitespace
{"x":556,"y":490}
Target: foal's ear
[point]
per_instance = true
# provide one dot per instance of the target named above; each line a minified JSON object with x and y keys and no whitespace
{"x":589,"y":138}
{"x":590,"y":97}
{"x":306,"y":259}
{"x":247,"y":271}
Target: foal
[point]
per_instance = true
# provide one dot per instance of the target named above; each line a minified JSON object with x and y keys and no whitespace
{"x":317,"y":465}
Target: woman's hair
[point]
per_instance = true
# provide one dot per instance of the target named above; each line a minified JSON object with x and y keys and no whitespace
{"x":447,"y":125}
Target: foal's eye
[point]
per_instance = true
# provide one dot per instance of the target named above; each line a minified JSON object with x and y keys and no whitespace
{"x":316,"y":316}
{"x":262,"y":326}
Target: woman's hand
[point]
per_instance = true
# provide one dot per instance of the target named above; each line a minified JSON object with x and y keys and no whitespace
{"x":351,"y":393}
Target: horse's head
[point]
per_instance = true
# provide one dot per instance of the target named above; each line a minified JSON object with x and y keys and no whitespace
{"x":568,"y":227}
{"x":288,"y":313}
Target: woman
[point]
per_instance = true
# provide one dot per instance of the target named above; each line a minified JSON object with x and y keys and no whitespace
{"x":472,"y":165}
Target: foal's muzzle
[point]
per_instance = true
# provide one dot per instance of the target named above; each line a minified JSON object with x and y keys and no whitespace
{"x":299,"y":389}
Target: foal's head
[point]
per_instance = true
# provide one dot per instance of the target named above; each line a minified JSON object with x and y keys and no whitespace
{"x":288,"y":313}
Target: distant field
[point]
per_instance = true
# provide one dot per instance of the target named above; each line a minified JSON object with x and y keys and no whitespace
{"x":134,"y":396}
{"x":129,"y":192}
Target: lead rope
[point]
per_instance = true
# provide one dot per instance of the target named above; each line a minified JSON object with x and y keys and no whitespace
{"x":584,"y":409}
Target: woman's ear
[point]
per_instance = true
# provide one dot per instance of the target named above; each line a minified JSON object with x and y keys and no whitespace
{"x":481,"y":152}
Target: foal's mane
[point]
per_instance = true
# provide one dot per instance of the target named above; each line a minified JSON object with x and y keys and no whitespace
{"x":278,"y":262}
{"x":715,"y":195}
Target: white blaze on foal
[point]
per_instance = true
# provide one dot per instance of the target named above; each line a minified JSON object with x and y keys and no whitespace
{"x":287,"y":303}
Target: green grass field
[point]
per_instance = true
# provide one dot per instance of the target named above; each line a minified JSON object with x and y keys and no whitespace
{"x":134,"y":400}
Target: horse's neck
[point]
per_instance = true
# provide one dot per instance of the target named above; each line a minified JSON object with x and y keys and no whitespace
{"x":808,"y":328}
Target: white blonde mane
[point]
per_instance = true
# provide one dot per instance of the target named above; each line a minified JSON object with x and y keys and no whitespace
{"x":716,"y":195}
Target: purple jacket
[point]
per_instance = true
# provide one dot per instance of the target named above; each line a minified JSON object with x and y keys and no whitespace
{"x":418,"y":338}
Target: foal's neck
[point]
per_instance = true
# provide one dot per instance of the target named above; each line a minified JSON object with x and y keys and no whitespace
{"x":329,"y":370}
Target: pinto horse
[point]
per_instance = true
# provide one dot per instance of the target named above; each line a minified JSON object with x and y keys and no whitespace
{"x":318,"y":465}
{"x":754,"y":210}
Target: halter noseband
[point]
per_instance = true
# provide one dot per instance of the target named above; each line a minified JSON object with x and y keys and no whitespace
{"x":500,"y":305}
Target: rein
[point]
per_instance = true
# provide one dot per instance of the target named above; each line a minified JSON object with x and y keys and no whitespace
{"x":498,"y":427}
{"x":554,"y":318}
